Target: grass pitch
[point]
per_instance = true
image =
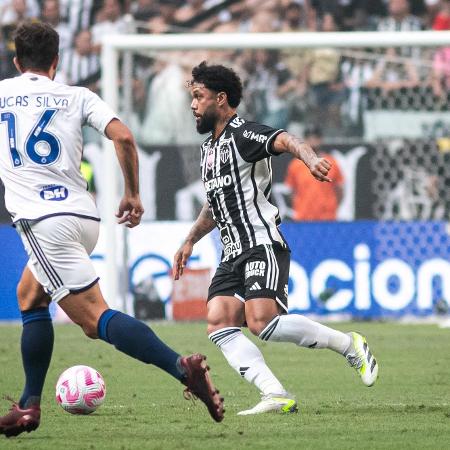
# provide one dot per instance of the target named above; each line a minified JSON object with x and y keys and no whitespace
{"x":409,"y":407}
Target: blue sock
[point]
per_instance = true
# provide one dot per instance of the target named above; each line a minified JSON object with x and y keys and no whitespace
{"x":137,"y":340}
{"x":37,"y":348}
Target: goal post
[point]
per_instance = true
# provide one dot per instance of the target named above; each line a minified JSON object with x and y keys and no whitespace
{"x":113,"y":46}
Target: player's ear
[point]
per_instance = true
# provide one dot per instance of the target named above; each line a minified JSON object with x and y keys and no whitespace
{"x":17,"y":64}
{"x":54,"y":66}
{"x":221,"y":98}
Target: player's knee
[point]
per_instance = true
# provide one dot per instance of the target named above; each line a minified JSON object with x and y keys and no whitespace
{"x":89,"y":329}
{"x":216,"y":325}
{"x":29,"y":298}
{"x":24,"y":296}
{"x":215,"y":322}
{"x":256,"y":325}
{"x":90,"y":332}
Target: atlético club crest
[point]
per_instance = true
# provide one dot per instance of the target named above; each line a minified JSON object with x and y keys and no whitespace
{"x":224,"y":150}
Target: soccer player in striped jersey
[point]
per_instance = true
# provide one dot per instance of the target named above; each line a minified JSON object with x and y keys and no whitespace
{"x":250,"y":285}
{"x":40,"y":155}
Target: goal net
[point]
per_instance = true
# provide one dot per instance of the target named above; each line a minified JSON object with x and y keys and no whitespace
{"x":380,"y":104}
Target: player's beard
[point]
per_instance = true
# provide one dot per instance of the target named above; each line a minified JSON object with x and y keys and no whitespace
{"x":207,"y":121}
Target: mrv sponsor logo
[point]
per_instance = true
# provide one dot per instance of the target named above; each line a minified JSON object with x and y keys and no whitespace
{"x":255,"y":269}
{"x":54,"y":192}
{"x":255,"y":137}
{"x":218,"y":182}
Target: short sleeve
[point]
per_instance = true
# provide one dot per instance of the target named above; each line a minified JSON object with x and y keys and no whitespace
{"x":96,"y":113}
{"x":254,"y":141}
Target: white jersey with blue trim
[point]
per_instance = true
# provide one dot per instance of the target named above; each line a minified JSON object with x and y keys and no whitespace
{"x":41,"y":146}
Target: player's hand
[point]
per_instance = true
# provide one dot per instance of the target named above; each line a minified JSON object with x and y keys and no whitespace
{"x":180,"y":259}
{"x":319,"y":169}
{"x":130,"y":211}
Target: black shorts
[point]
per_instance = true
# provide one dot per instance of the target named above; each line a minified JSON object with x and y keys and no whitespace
{"x":260,"y":272}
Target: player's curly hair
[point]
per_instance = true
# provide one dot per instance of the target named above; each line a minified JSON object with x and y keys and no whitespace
{"x":219,"y":78}
{"x":36,"y":45}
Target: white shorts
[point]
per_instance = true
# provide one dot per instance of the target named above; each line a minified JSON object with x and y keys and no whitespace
{"x":58,"y":249}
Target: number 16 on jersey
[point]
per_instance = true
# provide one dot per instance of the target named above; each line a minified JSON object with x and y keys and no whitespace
{"x":38,"y":138}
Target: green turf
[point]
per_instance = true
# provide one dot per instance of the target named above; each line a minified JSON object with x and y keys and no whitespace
{"x":408,"y":408}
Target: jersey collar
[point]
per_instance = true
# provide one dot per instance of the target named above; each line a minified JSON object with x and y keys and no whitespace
{"x":34,"y":75}
{"x":224,"y":128}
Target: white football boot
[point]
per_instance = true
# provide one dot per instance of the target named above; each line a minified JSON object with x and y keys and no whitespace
{"x":361,"y":359}
{"x":282,"y":403}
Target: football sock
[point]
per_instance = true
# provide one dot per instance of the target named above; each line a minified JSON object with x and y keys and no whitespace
{"x":36,"y":348}
{"x":246,"y":358}
{"x":305,"y":332}
{"x":134,"y":338}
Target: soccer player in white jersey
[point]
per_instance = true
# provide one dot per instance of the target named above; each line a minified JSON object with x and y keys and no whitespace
{"x":250,"y":284}
{"x":57,"y":219}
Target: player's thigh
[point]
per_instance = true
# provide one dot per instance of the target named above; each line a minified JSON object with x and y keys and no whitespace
{"x":266,"y":285}
{"x":30,"y":293}
{"x":259,"y":312}
{"x":224,"y":311}
{"x":85,"y":308}
{"x":225,"y":306}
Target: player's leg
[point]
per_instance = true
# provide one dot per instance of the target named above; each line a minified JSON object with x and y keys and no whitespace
{"x":134,"y":338}
{"x":37,"y":336}
{"x":225,"y":318}
{"x":61,"y":246}
{"x":83,"y":302}
{"x":305,"y":332}
{"x":36,"y":348}
{"x":90,"y":311}
{"x":265,"y":321}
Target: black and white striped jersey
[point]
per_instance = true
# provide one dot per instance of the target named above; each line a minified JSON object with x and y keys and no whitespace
{"x":78,"y":14}
{"x":237,"y":175}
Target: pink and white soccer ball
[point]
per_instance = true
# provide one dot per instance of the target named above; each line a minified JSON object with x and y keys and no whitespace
{"x":80,"y":390}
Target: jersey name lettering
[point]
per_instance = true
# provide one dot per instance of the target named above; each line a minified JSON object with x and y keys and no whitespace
{"x":18,"y":100}
{"x":45,"y":102}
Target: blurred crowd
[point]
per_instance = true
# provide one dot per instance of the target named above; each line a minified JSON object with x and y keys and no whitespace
{"x":283,"y":88}
{"x":292,"y":89}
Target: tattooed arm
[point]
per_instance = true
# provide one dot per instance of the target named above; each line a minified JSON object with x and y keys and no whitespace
{"x":287,"y":143}
{"x":202,"y":226}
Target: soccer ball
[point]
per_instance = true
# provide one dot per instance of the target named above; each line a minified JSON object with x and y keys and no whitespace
{"x":80,"y":390}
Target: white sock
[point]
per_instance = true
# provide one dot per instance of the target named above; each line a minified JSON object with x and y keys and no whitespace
{"x":305,"y":332}
{"x":245,"y":357}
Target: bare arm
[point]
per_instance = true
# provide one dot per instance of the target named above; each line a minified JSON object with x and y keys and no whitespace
{"x":202,"y":226}
{"x":130,"y":207}
{"x":287,"y":143}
